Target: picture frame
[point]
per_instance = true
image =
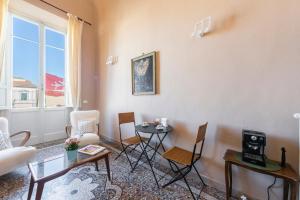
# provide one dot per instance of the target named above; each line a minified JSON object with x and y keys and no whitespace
{"x":143,"y":73}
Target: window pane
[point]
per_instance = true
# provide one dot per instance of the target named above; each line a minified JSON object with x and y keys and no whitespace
{"x":55,"y":39}
{"x":25,"y":30}
{"x":2,"y":97}
{"x":55,"y":69}
{"x":25,"y":73}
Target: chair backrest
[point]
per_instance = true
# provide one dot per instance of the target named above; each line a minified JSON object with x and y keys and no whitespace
{"x":75,"y":116}
{"x":4,"y":125}
{"x":200,"y":138}
{"x":201,"y":133}
{"x":125,"y":118}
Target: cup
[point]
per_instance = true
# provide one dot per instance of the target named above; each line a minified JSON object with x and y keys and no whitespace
{"x":164,"y":122}
{"x":157,"y":121}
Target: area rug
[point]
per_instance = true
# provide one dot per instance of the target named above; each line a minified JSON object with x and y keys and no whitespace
{"x":86,"y":183}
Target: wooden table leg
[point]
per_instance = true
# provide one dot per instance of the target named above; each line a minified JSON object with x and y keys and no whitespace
{"x":227,"y":180}
{"x":39,"y":191}
{"x":30,"y":188}
{"x":107,"y":167}
{"x":230,"y":179}
{"x":96,"y":163}
{"x":285,"y":190}
{"x":294,"y":189}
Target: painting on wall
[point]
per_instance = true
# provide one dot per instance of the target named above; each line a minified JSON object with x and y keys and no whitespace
{"x":143,"y":74}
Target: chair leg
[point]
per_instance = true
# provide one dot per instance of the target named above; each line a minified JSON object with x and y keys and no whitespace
{"x":124,"y":151}
{"x":187,"y":184}
{"x":178,"y":176}
{"x":131,"y":150}
{"x":120,"y":153}
{"x":199,"y":176}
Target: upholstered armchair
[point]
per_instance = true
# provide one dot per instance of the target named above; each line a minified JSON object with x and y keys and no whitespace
{"x":84,"y":126}
{"x":14,"y":157}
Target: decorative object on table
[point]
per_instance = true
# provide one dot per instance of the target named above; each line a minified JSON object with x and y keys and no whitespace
{"x":156,"y":121}
{"x":91,"y":149}
{"x":202,"y":27}
{"x":283,"y":162}
{"x":87,"y":137}
{"x":145,"y":124}
{"x":160,"y":127}
{"x":164,"y":122}
{"x":243,"y":197}
{"x":179,"y":157}
{"x":71,"y":144}
{"x":143,"y":74}
{"x":254,"y":143}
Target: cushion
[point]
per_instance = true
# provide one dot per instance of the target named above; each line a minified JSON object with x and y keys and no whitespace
{"x":89,"y":138}
{"x":86,"y":126}
{"x":5,"y":142}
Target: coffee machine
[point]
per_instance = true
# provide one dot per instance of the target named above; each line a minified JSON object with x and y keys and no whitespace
{"x":254,"y":143}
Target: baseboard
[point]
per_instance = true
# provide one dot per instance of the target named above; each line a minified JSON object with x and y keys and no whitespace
{"x":48,"y":137}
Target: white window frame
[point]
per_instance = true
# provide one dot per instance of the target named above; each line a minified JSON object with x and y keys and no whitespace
{"x":42,"y":55}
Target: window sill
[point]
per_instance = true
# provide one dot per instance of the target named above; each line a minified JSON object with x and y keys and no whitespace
{"x":16,"y":110}
{"x":3,"y":108}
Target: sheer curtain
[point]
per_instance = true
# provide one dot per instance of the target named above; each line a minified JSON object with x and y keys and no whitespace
{"x":3,"y":23}
{"x":74,"y":35}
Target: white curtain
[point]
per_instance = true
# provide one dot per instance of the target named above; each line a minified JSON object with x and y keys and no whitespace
{"x":3,"y":24}
{"x":74,"y":61}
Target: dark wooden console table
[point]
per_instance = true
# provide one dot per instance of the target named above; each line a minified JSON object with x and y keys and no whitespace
{"x":289,"y":176}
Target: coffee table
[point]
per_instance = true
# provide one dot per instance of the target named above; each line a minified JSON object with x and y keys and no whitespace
{"x":54,"y":167}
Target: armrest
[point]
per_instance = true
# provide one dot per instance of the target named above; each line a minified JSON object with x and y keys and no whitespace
{"x":68,"y":129}
{"x":27,"y":136}
{"x":98,"y":129}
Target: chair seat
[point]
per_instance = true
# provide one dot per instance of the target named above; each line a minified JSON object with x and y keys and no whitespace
{"x":179,"y":155}
{"x":12,"y":158}
{"x":133,"y":140}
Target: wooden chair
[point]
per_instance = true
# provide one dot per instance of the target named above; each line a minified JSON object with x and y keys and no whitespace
{"x":177,"y":155}
{"x":134,"y":141}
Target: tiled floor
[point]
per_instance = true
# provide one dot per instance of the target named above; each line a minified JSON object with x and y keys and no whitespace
{"x":86,"y":183}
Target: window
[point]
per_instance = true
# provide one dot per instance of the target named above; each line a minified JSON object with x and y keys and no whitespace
{"x":38,"y":65}
{"x":26,"y":62}
{"x":55,"y":68}
{"x":24,"y":96}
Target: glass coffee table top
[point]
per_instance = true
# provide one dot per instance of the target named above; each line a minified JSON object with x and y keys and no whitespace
{"x":62,"y":163}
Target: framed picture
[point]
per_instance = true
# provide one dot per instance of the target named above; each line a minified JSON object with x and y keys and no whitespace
{"x":143,"y":74}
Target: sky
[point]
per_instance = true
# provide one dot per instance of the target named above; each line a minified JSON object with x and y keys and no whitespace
{"x":26,"y":46}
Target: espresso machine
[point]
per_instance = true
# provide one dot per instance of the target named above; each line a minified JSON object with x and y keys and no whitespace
{"x":254,"y":143}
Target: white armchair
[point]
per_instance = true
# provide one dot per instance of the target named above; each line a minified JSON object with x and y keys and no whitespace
{"x":74,"y":130}
{"x":14,"y":157}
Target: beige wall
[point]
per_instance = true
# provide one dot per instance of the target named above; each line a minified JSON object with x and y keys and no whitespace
{"x":245,"y":74}
{"x":83,"y":9}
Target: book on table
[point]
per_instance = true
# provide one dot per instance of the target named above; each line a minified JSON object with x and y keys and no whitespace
{"x":91,"y":149}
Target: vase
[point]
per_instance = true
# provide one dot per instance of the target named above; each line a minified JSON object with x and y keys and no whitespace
{"x":72,"y":155}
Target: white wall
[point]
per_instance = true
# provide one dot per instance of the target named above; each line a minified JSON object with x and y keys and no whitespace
{"x":245,"y":74}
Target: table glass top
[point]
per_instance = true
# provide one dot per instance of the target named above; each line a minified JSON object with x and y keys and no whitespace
{"x":152,"y":129}
{"x":61,"y":162}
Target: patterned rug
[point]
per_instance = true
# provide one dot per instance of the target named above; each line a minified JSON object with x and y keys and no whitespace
{"x":88,"y":184}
